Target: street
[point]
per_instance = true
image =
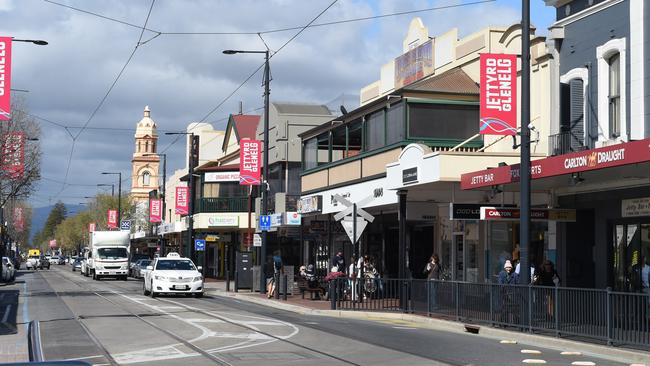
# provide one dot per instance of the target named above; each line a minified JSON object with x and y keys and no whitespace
{"x":112,"y":322}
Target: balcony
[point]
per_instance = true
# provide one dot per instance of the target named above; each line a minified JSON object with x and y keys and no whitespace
{"x":222,"y":204}
{"x":564,"y":143}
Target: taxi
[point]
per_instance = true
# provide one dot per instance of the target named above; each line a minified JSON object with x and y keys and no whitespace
{"x":173,"y":274}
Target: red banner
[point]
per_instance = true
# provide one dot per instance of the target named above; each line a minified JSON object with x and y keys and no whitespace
{"x":605,"y":157}
{"x":182,"y":206}
{"x":53,"y":243}
{"x":13,"y":154}
{"x":5,"y":78}
{"x":155,"y":210}
{"x":112,"y":219}
{"x":249,"y":162}
{"x":498,"y":94}
{"x":91,"y":227}
{"x":19,"y":222}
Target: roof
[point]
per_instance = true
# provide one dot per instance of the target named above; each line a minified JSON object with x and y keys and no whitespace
{"x":454,"y":81}
{"x":246,"y":125}
{"x":295,"y":108}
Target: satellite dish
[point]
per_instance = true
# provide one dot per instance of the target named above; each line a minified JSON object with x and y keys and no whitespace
{"x":343,"y":110}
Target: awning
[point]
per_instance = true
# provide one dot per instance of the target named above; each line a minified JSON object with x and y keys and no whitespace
{"x":619,"y":155}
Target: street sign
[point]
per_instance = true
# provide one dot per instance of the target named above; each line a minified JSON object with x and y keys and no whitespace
{"x":125,"y":225}
{"x":257,"y":240}
{"x":199,"y":245}
{"x":347,"y":216}
{"x":348,"y":225}
{"x":265,"y":222}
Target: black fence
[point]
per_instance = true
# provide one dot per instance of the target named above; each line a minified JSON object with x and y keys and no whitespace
{"x":604,"y":315}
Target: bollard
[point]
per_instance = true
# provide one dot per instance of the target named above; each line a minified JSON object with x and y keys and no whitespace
{"x":332,"y":294}
{"x":276,"y":280}
{"x":237,"y":282}
{"x":286,"y":288}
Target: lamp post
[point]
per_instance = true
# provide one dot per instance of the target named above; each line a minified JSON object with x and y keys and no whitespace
{"x":39,"y":42}
{"x":163,"y":193}
{"x":119,"y":196}
{"x":524,"y":166}
{"x":190,"y":172}
{"x":265,"y":159}
{"x":109,"y":185}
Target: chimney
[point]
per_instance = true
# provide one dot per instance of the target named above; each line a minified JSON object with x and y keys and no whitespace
{"x":241,"y":107}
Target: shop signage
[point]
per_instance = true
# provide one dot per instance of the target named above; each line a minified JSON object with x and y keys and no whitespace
{"x":310,"y":204}
{"x":635,"y":207}
{"x":357,"y":192}
{"x":211,"y":237}
{"x":257,"y":240}
{"x":13,"y":154}
{"x":249,"y":162}
{"x":410,"y":175}
{"x":292,"y":218}
{"x":265,"y":222}
{"x":276,"y":220}
{"x":112,"y":219}
{"x":468,"y":211}
{"x":506,"y":213}
{"x":223,"y":221}
{"x":605,"y":157}
{"x":182,"y":207}
{"x":413,"y":65}
{"x":5,"y":78}
{"x":212,"y":177}
{"x":155,"y":210}
{"x":199,"y":245}
{"x":166,"y":228}
{"x":498,"y":94}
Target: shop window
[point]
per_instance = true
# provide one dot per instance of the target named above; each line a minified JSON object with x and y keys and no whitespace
{"x":309,"y":154}
{"x":232,"y":189}
{"x":276,"y":178}
{"x":375,"y":131}
{"x":323,"y":147}
{"x":293,"y":186}
{"x":210,"y":190}
{"x":339,"y":143}
{"x":614,"y":95}
{"x":395,"y":131}
{"x":355,"y":138}
{"x":443,"y":121}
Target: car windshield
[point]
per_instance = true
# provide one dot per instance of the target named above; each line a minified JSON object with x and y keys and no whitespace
{"x":144,"y":263}
{"x":111,"y":253}
{"x":178,"y":265}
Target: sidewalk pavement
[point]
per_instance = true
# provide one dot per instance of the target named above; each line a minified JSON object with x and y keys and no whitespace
{"x":306,"y":306}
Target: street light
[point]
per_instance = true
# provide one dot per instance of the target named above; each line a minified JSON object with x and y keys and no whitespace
{"x":265,"y":167}
{"x":108,"y":185}
{"x":190,"y":213}
{"x":119,"y":195}
{"x":39,"y":42}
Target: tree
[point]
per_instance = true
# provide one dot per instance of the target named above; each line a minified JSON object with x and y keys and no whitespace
{"x":56,"y":216}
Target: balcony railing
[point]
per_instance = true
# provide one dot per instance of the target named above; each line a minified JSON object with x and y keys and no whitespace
{"x":222,"y":204}
{"x":564,"y":143}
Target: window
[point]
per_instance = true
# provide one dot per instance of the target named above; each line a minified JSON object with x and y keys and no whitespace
{"x":323,"y":141}
{"x":375,"y":131}
{"x":309,"y":154}
{"x":443,"y":121}
{"x":339,"y":143}
{"x":355,"y":138}
{"x":146,"y":178}
{"x":182,"y":265}
{"x":276,"y":178}
{"x":615,"y":95}
{"x":112,"y":253}
{"x":294,"y":179}
{"x":572,"y":112}
{"x":395,"y":131}
{"x":210,"y":190}
{"x":146,"y":146}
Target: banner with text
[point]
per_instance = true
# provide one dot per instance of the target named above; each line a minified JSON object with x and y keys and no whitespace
{"x":19,"y":222}
{"x":249,"y":162}
{"x":182,"y":206}
{"x":498,"y":94}
{"x":13,"y":155}
{"x":112,"y":219}
{"x":155,"y":210}
{"x":5,"y":78}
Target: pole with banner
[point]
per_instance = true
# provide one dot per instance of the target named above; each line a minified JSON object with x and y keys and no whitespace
{"x":5,"y":76}
{"x":250,"y":175}
{"x":155,"y":213}
{"x":13,"y":155}
{"x":498,"y":94}
{"x":112,"y":219}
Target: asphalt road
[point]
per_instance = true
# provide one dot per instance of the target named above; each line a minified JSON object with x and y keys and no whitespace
{"x":111,"y":322}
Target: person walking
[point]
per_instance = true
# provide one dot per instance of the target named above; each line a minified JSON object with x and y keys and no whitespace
{"x":339,"y":262}
{"x":432,"y":271}
{"x":548,"y":277}
{"x":509,"y":306}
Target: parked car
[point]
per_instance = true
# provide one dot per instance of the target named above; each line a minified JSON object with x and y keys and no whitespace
{"x":173,"y":275}
{"x":33,"y":262}
{"x":54,"y":259}
{"x":76,"y":265}
{"x":44,"y":263}
{"x":8,"y":270}
{"x":140,"y":268}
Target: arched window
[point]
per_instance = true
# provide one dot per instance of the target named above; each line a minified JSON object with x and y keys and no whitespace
{"x":146,"y":146}
{"x":612,"y":98}
{"x":614,"y":95}
{"x":139,"y":146}
{"x":146,"y":178}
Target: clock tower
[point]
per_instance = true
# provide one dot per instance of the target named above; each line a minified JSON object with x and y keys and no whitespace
{"x":145,"y":162}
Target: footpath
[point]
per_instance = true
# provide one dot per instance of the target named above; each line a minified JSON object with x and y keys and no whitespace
{"x":306,"y":306}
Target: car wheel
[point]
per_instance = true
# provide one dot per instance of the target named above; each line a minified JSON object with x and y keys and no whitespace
{"x":198,"y":295}
{"x":152,"y":293}
{"x":125,"y":278}
{"x":144,"y":289}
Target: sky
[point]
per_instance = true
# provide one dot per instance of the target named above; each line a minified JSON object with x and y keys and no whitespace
{"x":91,"y":72}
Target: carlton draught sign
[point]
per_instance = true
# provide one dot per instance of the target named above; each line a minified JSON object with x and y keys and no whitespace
{"x":498,"y":94}
{"x":249,"y":162}
{"x":5,"y":78}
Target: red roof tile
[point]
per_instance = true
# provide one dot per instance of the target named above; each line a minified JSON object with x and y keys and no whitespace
{"x":246,"y":125}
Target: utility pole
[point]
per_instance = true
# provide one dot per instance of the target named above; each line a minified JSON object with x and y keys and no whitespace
{"x":524,"y":166}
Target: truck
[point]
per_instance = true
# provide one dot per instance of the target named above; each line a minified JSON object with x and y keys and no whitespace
{"x":108,"y":255}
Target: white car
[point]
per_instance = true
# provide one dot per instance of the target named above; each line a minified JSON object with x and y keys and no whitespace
{"x":8,"y":270}
{"x":33,"y":262}
{"x":173,"y":275}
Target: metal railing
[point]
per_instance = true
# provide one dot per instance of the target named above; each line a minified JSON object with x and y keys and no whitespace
{"x":564,"y":143}
{"x":616,"y":318}
{"x":222,"y":204}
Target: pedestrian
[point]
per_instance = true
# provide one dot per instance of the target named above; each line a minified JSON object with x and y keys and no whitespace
{"x":645,"y":279}
{"x":548,"y":275}
{"x":507,"y":276}
{"x":432,"y":271}
{"x":352,"y":275}
{"x":278,"y":269}
{"x":509,"y":305}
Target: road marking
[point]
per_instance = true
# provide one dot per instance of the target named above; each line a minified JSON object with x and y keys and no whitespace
{"x":6,"y":316}
{"x":583,"y":363}
{"x":571,"y":353}
{"x":313,"y":323}
{"x":533,"y":360}
{"x":531,"y":351}
{"x":83,"y":358}
{"x":508,"y":341}
{"x":638,"y":364}
{"x":409,"y":328}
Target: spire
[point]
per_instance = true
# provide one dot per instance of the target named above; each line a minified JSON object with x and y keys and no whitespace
{"x":146,"y":126}
{"x":147,"y":112}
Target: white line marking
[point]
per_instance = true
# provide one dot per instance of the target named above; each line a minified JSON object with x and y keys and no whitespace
{"x":638,"y":364}
{"x":83,"y":358}
{"x":409,"y":328}
{"x":6,"y":316}
{"x":583,"y":363}
{"x":314,"y":323}
{"x":571,"y":353}
{"x":533,"y":360}
{"x":508,"y":341}
{"x":531,"y":351}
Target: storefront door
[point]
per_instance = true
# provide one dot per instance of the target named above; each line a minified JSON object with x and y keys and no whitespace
{"x":630,"y":252}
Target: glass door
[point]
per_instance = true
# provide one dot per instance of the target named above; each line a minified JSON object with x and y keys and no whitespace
{"x":631,"y":252}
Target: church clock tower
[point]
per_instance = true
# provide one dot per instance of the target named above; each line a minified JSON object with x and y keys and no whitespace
{"x":145,"y":162}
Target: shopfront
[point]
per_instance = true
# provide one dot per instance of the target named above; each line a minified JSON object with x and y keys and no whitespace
{"x":223,"y":234}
